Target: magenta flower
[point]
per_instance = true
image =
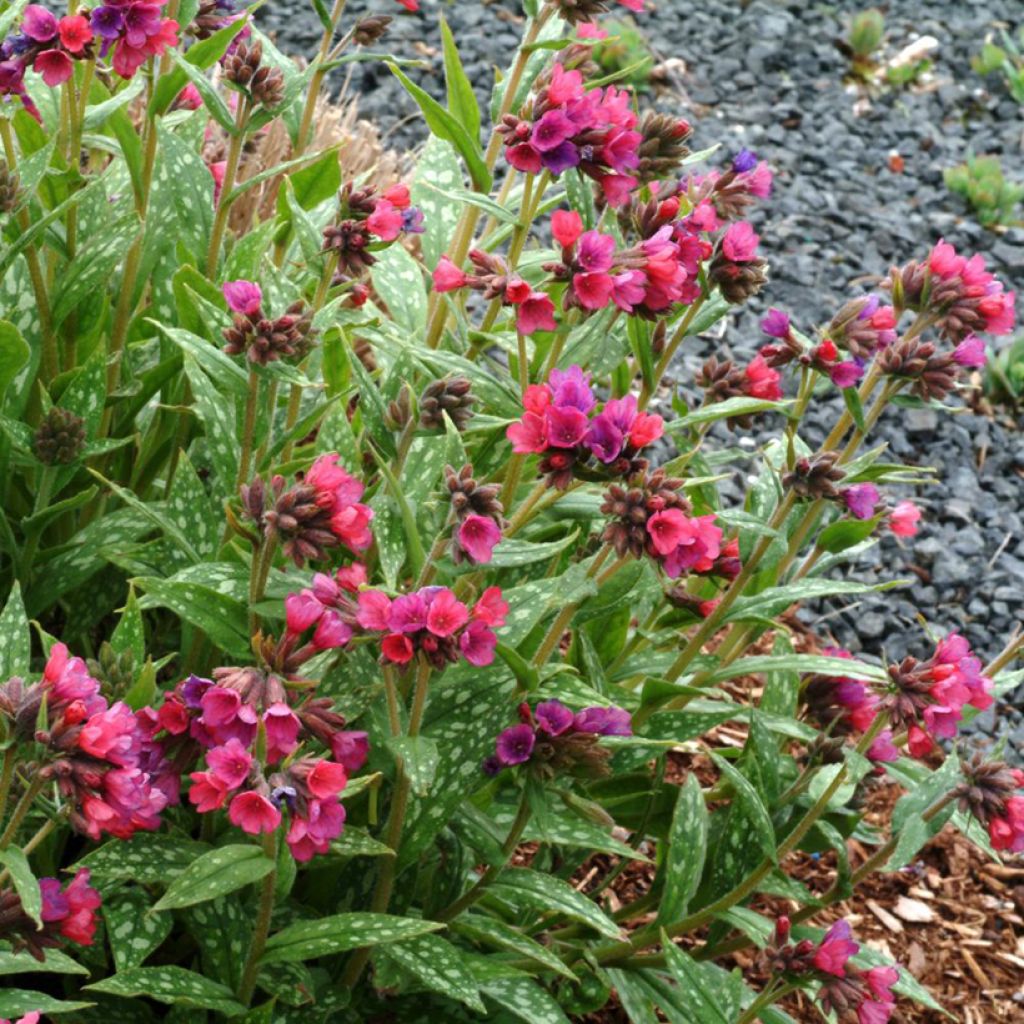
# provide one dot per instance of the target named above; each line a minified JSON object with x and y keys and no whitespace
{"x":477,"y":643}
{"x":408,"y":613}
{"x":229,"y":764}
{"x":861,"y":500}
{"x":740,"y":242}
{"x":477,"y":536}
{"x":667,"y":530}
{"x":374,"y":611}
{"x":571,"y":388}
{"x":553,"y":717}
{"x":515,"y":745}
{"x":604,"y":721}
{"x":903,"y":519}
{"x":847,"y":374}
{"x":253,"y":813}
{"x":776,"y":324}
{"x":446,"y":614}
{"x":331,"y":631}
{"x":244,"y":297}
{"x":566,"y":427}
{"x":39,"y":24}
{"x":301,"y":611}
{"x":835,"y":949}
{"x":970,"y":352}
{"x":350,"y":748}
{"x":552,"y":130}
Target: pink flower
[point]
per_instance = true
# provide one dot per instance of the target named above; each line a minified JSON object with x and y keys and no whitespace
{"x":646,"y":429}
{"x":593,"y":290}
{"x":408,"y":613}
{"x":667,"y":529}
{"x":207,"y":792}
{"x":229,"y":764}
{"x":477,"y":643}
{"x":883,"y":748}
{"x":243,"y":297}
{"x":331,"y":631}
{"x":970,"y":352}
{"x":189,"y":98}
{"x":39,"y":24}
{"x":448,"y":277}
{"x":861,"y":500}
{"x":566,"y":86}
{"x":55,"y":66}
{"x":326,"y":779}
{"x":903,"y":519}
{"x":835,"y":949}
{"x":528,"y":434}
{"x":82,"y":903}
{"x":1007,"y":832}
{"x":776,"y":324}
{"x":447,"y":614}
{"x":740,"y":242}
{"x":698,"y":548}
{"x":846,"y":375}
{"x":282,"y":727}
{"x":111,"y":736}
{"x":565,"y":427}
{"x":588,"y":30}
{"x":491,"y":609}
{"x":761,"y":380}
{"x":566,"y":226}
{"x":397,"y":647}
{"x":374,"y":610}
{"x":477,"y":536}
{"x":536,"y":313}
{"x":536,"y":398}
{"x":350,"y":748}
{"x":385,"y":221}
{"x":301,"y":611}
{"x":398,"y":196}
{"x":253,"y":813}
{"x":410,"y":5}
{"x":75,"y":33}
{"x":919,"y":742}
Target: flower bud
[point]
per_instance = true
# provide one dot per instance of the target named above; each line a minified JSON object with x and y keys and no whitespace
{"x":60,"y":438}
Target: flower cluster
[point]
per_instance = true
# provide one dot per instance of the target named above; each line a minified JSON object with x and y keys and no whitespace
{"x":645,"y":279}
{"x":958,"y":293}
{"x":320,"y":511}
{"x":431,"y":621}
{"x":993,"y":793}
{"x":327,"y":608}
{"x":561,"y":423}
{"x":367,"y":221}
{"x":252,"y":739}
{"x":95,"y":752}
{"x":66,"y":913}
{"x":46,"y":44}
{"x":722,"y":380}
{"x":854,"y":996}
{"x":477,"y":514}
{"x":534,"y":309}
{"x":262,"y":339}
{"x":724,"y":196}
{"x":568,"y":126}
{"x":864,"y":501}
{"x":553,"y":740}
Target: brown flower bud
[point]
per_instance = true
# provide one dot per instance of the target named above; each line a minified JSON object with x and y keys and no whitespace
{"x":663,"y":148}
{"x":737,"y":281}
{"x":10,"y":188}
{"x":451,"y":395}
{"x":59,"y":438}
{"x":814,"y":476}
{"x":242,"y":65}
{"x":267,"y":87}
{"x":368,"y":31}
{"x":470,"y":498}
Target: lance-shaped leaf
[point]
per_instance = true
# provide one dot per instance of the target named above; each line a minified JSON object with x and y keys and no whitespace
{"x":307,"y":940}
{"x":526,"y":888}
{"x":215,"y":873}
{"x":439,"y":965}
{"x":169,"y":985}
{"x":685,"y":851}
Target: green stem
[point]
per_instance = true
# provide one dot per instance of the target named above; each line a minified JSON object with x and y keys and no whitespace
{"x":316,"y":81}
{"x":220,"y":219}
{"x":772,"y":994}
{"x":647,"y":390}
{"x":470,"y":897}
{"x":261,"y":929}
{"x":21,"y":809}
{"x":41,"y":833}
{"x":248,"y":428}
{"x":263,"y":559}
{"x":7,"y":775}
{"x":396,"y":820}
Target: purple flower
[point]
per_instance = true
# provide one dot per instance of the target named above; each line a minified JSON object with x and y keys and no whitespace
{"x":39,"y":24}
{"x":243,"y":297}
{"x":515,"y":745}
{"x":861,"y":500}
{"x":561,"y":159}
{"x":871,"y":304}
{"x":491,"y":766}
{"x":604,"y":438}
{"x":621,"y":412}
{"x":140,"y":22}
{"x":55,"y":904}
{"x":970,"y":352}
{"x":565,"y":427}
{"x":846,"y":375}
{"x":107,"y":22}
{"x":408,"y":613}
{"x":571,"y":388}
{"x":551,"y":131}
{"x":776,"y":324}
{"x":610,"y":721}
{"x":412,"y":221}
{"x":553,"y":717}
{"x":744,"y":161}
{"x":192,"y":691}
{"x":596,"y":252}
{"x":883,"y":748}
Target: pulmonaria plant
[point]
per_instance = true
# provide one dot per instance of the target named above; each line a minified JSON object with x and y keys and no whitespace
{"x":441,"y":642}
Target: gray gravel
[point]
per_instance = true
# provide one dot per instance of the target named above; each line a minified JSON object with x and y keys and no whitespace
{"x":767,"y":76}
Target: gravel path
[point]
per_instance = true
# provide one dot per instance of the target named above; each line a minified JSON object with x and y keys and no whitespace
{"x":769,"y":77}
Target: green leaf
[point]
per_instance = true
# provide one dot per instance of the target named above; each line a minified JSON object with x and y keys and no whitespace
{"x":685,"y":851}
{"x":776,"y":600}
{"x":491,"y":932}
{"x":816,"y":663}
{"x":222,"y":928}
{"x":399,"y":281}
{"x":306,"y":940}
{"x":419,"y":755}
{"x":461,"y":99}
{"x":133,"y":932}
{"x":15,"y":636}
{"x":438,"y":173}
{"x":56,"y":962}
{"x":147,"y":858}
{"x":526,"y":1000}
{"x":220,"y":871}
{"x":439,"y":966}
{"x":445,"y":126}
{"x":525,"y":887}
{"x":14,"y":354}
{"x":212,"y":101}
{"x":189,"y":509}
{"x":129,"y":634}
{"x":845,"y":533}
{"x":173,"y":985}
{"x":730,"y":407}
{"x":700,"y":991}
{"x":18,"y":1001}
{"x":25,"y":883}
{"x":357,"y":842}
{"x":747,"y":800}
{"x":318,"y":181}
{"x":851,"y":398}
{"x":513,"y":552}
